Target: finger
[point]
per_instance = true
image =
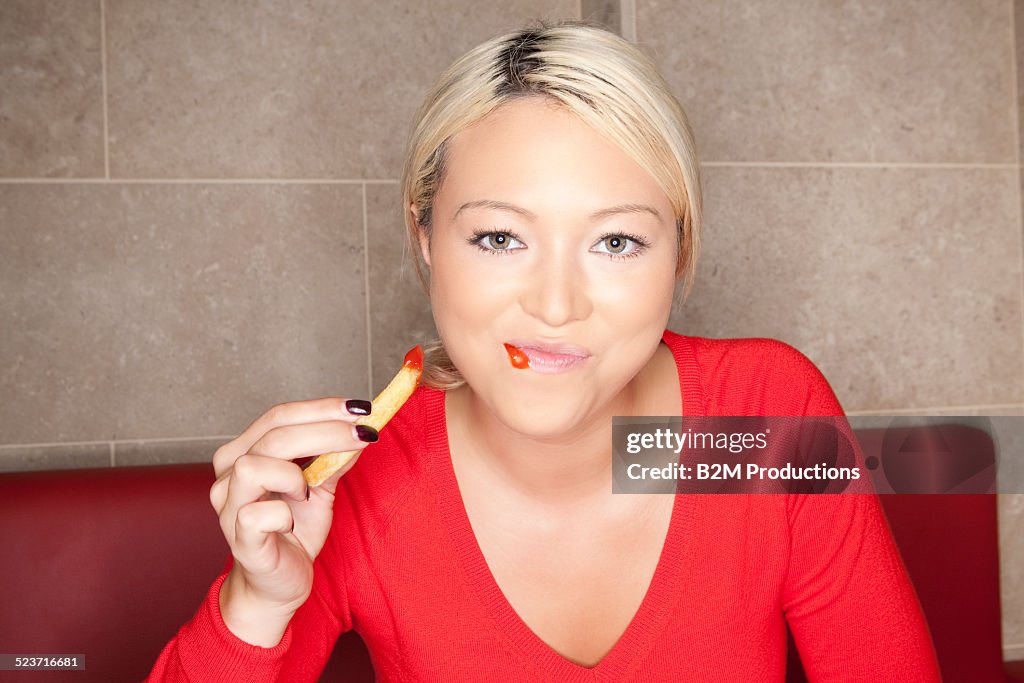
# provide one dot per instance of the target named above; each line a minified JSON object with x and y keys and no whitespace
{"x":298,"y":412}
{"x":219,"y":491}
{"x":300,"y":441}
{"x":254,"y":476}
{"x":254,"y":525}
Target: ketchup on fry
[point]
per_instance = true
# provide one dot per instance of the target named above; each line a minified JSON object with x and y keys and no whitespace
{"x":518,"y":359}
{"x":414,"y":358}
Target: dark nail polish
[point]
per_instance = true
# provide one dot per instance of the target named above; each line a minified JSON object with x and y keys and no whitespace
{"x":307,"y":491}
{"x":357,"y":406}
{"x":367,"y":433}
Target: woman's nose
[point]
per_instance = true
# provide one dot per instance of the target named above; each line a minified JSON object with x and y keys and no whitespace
{"x":557,"y":292}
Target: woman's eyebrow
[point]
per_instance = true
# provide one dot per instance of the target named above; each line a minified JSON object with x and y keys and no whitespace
{"x":603,"y":213}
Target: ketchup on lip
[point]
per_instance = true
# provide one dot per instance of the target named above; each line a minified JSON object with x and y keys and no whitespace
{"x":516,"y":356}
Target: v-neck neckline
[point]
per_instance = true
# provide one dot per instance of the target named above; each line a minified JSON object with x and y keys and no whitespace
{"x":651,"y":616}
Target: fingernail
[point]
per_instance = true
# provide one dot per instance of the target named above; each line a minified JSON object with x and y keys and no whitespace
{"x":307,"y":491}
{"x":357,"y":406}
{"x":366,"y":433}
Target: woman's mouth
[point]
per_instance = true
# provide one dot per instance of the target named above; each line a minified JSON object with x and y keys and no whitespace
{"x":545,"y":357}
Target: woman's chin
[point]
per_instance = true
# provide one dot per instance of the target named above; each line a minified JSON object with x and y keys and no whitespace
{"x":542,"y":419}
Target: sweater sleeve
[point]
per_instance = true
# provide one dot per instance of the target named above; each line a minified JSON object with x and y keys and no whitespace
{"x":848,"y":599}
{"x":205,"y":650}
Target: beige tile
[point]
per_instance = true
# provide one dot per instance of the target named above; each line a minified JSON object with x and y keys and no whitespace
{"x":861,"y":82}
{"x":607,"y":13}
{"x":51,"y":110}
{"x":155,"y":311}
{"x":903,"y":285}
{"x":127,"y":453}
{"x":54,"y":457}
{"x":318,"y":89}
{"x":400,"y":314}
{"x":1011,"y":562}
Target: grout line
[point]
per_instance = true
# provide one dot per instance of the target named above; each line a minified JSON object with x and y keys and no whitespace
{"x":366,"y":298}
{"x":385,"y":181}
{"x":627,"y":19}
{"x":103,"y":62}
{"x":204,"y":181}
{"x":885,"y":412}
{"x":12,"y":446}
{"x":177,"y":438}
{"x":855,"y":164}
{"x":113,"y":462}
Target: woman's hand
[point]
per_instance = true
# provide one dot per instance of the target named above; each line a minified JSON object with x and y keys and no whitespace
{"x":274,"y":523}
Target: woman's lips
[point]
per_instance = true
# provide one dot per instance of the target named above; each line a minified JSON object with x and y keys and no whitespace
{"x":546,"y":358}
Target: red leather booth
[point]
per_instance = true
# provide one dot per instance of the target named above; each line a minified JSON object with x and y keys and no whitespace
{"x":110,"y":562}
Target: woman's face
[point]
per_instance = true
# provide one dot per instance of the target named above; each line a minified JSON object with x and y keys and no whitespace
{"x":556,"y":270}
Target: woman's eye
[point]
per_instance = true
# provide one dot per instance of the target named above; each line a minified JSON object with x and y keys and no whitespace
{"x":620,"y":246}
{"x":495,"y":241}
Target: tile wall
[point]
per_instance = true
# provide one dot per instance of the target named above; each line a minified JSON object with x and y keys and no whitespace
{"x":199,"y":209}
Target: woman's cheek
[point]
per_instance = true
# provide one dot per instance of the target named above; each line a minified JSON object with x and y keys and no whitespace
{"x":471,"y":308}
{"x":640,"y":293}
{"x":479,"y":297}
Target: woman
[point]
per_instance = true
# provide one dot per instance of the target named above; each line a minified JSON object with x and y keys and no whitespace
{"x":553,"y":192}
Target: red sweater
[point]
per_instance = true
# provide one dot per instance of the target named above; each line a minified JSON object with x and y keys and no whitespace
{"x":402,"y":567}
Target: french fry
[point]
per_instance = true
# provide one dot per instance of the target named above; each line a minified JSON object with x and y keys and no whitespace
{"x":387,"y":403}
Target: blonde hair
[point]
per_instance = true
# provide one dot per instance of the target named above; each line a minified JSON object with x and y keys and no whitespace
{"x":604,"y":79}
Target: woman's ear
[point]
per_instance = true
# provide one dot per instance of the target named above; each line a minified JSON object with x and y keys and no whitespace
{"x":421,"y":234}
